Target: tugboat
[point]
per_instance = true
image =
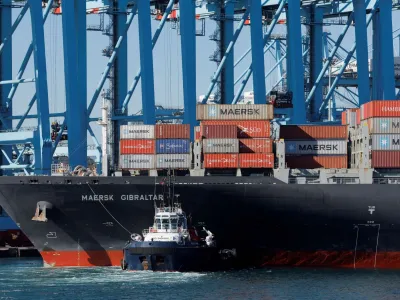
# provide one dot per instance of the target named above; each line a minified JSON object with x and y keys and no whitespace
{"x":171,"y":244}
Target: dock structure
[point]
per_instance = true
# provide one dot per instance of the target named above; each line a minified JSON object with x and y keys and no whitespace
{"x":297,"y":53}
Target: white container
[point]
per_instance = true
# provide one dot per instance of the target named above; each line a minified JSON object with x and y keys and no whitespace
{"x":316,"y":147}
{"x":173,"y":161}
{"x":382,"y":125}
{"x":137,"y":132}
{"x":221,"y":146}
{"x":137,"y":161}
{"x":389,"y":142}
{"x":235,"y":112}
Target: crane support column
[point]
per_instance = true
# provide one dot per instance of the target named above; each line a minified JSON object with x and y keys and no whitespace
{"x":377,"y":88}
{"x":386,"y":49}
{"x":295,"y":69}
{"x":227,"y":76}
{"x":316,"y":58}
{"x":188,"y":46}
{"x":257,"y":52}
{"x":43,"y":156}
{"x":5,"y":72}
{"x":75,"y":67}
{"x":146,"y":62}
{"x":120,"y":65}
{"x":362,"y":51}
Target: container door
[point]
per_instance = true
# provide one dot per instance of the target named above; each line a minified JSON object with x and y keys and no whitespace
{"x":366,"y":245}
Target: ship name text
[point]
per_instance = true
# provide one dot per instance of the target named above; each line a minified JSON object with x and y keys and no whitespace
{"x":128,"y":197}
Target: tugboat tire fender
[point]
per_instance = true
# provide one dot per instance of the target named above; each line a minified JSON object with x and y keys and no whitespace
{"x":124,"y":265}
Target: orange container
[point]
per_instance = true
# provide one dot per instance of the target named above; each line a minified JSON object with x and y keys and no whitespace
{"x":380,"y":108}
{"x":344,"y":117}
{"x":197,"y":133}
{"x":313,"y":132}
{"x":221,"y":161}
{"x":316,"y":162}
{"x":137,"y":146}
{"x":256,"y":160}
{"x":385,"y":159}
{"x":219,"y":131}
{"x":172,"y":131}
{"x":246,"y":129}
{"x":255,"y":146}
{"x":358,"y":116}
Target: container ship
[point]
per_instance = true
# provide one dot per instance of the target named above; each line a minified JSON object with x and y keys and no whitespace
{"x":323,"y":196}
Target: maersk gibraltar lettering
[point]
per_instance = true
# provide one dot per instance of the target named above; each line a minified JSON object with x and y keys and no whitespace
{"x":130,"y":197}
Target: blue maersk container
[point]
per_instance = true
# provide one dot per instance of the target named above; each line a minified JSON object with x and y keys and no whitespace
{"x":172,"y":146}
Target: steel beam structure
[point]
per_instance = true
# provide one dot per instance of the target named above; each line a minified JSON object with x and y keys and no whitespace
{"x":267,"y":36}
{"x":43,"y":156}
{"x":227,"y":76}
{"x":386,"y":49}
{"x":257,"y":53}
{"x":362,"y":51}
{"x":146,"y":61}
{"x":154,"y":42}
{"x":75,"y":67}
{"x":316,"y":57}
{"x":188,"y":46}
{"x":294,"y":69}
{"x":227,"y":53}
{"x":5,"y":72}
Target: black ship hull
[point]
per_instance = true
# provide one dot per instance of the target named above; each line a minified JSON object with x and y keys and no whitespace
{"x":89,"y":220}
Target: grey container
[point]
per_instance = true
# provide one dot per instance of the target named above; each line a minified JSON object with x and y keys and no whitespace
{"x":221,"y":145}
{"x":316,"y":147}
{"x":137,"y":132}
{"x":235,"y":112}
{"x":136,"y":161}
{"x":382,"y":125}
{"x":173,"y":161}
{"x":390,"y":142}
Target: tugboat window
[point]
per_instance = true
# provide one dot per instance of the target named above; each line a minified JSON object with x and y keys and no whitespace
{"x":158,"y":223}
{"x":165,"y":224}
{"x":174,"y":224}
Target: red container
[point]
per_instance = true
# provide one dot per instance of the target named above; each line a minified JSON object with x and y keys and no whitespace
{"x":137,"y":146}
{"x":255,"y":146}
{"x":385,"y":159}
{"x":315,"y":162}
{"x":381,"y":108}
{"x":246,"y":129}
{"x":312,"y":132}
{"x":172,"y":131}
{"x":256,"y":160}
{"x":221,"y":161}
{"x":197,"y":133}
{"x":219,"y":131}
{"x":344,"y":117}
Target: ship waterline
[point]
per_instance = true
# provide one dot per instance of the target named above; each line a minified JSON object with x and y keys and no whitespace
{"x":266,"y":221}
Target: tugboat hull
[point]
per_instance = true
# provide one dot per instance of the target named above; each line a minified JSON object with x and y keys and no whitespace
{"x":169,"y":256}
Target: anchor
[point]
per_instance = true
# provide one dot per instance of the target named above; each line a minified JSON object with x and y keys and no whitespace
{"x":40,"y":213}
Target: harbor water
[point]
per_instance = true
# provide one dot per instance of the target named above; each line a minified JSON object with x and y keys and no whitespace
{"x":27,"y":279}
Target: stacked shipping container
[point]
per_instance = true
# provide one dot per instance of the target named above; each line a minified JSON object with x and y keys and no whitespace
{"x":163,"y":146}
{"x":137,"y":147}
{"x":376,"y":142}
{"x":312,"y":146}
{"x":235,"y":136}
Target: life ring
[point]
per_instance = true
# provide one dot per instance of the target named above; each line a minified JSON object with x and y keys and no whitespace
{"x":124,"y":265}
